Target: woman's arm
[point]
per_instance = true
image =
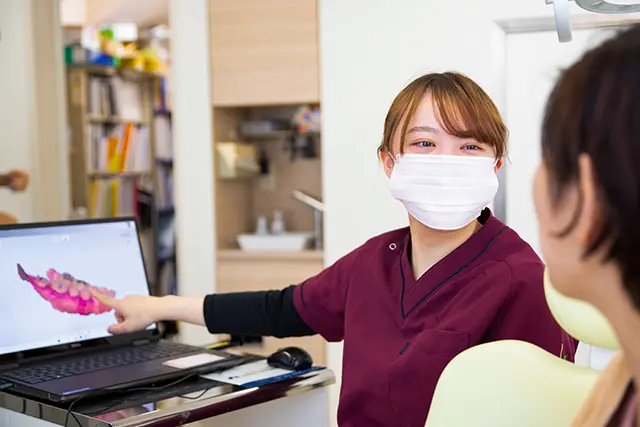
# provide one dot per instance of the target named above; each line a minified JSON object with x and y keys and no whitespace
{"x":267,"y":313}
{"x":5,"y":180}
{"x":283,"y":313}
{"x":181,"y":309}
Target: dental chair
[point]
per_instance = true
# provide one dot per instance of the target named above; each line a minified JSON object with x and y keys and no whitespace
{"x":516,"y":384}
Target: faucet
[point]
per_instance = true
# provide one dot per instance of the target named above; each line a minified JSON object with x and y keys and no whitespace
{"x":318,"y":210}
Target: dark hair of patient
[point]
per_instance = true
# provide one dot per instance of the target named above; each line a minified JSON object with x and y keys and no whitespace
{"x":594,"y":109}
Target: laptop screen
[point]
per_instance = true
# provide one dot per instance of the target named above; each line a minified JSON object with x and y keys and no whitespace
{"x":46,"y":272}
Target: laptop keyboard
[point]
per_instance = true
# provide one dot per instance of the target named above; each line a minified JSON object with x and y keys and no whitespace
{"x":98,"y":361}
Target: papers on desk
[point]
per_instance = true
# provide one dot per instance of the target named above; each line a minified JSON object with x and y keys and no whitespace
{"x":255,"y":374}
{"x":194,"y":360}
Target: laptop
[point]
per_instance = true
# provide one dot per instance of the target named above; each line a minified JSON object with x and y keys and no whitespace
{"x":54,"y":342}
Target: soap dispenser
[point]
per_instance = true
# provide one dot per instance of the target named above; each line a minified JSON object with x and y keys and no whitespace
{"x":261,"y":226}
{"x":277,"y":226}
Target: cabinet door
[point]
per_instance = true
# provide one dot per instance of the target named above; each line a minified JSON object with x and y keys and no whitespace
{"x":264,"y":52}
{"x":247,"y":273}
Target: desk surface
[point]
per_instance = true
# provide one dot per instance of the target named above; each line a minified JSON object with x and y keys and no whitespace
{"x":191,"y":401}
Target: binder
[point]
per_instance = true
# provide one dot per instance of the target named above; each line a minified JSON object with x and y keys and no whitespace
{"x":163,"y":137}
{"x":123,"y":149}
{"x":132,"y":146}
{"x":111,"y":97}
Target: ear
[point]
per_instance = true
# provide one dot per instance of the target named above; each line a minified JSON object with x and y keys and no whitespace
{"x":498,"y":165}
{"x":591,"y":215}
{"x":387,"y":162}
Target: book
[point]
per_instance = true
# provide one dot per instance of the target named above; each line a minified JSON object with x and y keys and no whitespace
{"x":129,"y":142}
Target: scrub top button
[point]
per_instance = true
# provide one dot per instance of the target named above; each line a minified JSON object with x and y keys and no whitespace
{"x":393,"y":246}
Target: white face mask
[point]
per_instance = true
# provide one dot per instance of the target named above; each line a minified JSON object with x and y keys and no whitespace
{"x":444,"y":192}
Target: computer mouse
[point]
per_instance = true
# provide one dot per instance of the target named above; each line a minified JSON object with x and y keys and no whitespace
{"x":291,"y":358}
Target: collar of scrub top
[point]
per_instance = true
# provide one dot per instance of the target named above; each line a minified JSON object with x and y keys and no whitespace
{"x":416,"y":291}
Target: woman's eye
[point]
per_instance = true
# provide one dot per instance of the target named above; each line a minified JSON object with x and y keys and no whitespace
{"x":471,"y":147}
{"x":424,"y":144}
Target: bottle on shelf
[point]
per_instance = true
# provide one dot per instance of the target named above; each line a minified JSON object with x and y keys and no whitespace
{"x":261,"y":225}
{"x":277,"y":225}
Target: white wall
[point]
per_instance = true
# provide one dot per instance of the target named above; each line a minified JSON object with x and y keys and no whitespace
{"x":534,"y":61}
{"x":51,"y":182}
{"x":193,"y":154}
{"x":17,"y":101}
{"x":32,"y":113}
{"x":369,"y":51}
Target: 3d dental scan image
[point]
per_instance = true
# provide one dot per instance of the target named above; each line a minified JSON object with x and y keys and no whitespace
{"x":66,"y":293}
{"x":51,"y":275}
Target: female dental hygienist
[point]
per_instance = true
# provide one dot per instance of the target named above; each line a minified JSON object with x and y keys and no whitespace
{"x":408,"y":301}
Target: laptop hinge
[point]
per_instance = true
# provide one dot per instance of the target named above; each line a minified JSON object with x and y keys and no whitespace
{"x":142,"y":341}
{"x":9,"y":366}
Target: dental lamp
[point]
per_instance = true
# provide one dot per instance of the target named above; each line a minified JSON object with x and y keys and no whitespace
{"x":563,"y":14}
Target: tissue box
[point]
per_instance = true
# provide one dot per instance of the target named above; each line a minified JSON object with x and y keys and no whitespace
{"x":236,"y":160}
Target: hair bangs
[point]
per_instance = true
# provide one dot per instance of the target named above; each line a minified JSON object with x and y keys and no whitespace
{"x":469,"y":115}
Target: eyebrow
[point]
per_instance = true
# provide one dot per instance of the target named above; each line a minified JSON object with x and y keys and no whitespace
{"x":423,"y":129}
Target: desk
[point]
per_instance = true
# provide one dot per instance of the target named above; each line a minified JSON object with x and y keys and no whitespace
{"x":301,"y":401}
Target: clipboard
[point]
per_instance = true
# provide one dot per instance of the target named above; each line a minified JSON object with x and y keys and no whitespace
{"x":256,"y":374}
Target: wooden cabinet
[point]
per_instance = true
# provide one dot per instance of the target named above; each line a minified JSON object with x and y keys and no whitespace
{"x":144,"y":13}
{"x":264,"y":52}
{"x":241,"y":271}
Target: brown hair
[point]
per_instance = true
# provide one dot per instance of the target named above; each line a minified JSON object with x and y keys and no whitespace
{"x":594,"y":109}
{"x":464,"y":109}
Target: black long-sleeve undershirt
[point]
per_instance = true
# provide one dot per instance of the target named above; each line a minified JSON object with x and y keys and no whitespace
{"x":264,"y":313}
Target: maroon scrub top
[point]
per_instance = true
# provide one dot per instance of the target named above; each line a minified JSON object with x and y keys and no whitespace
{"x":627,"y":412}
{"x":399,"y":333}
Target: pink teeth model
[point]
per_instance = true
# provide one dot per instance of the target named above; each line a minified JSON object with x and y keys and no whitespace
{"x":66,"y":293}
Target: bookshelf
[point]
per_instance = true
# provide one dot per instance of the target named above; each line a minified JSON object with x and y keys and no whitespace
{"x":121,"y":158}
{"x":165,"y":209}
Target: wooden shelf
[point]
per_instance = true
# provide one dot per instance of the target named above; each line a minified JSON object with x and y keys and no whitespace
{"x":278,"y":135}
{"x":143,"y":13}
{"x":237,"y":254}
{"x":93,"y":118}
{"x":109,"y":71}
{"x":123,"y":174}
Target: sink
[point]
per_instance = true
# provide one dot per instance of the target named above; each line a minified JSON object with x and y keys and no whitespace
{"x":286,"y":242}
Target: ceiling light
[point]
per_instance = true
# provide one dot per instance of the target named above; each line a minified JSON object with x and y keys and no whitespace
{"x":563,"y":16}
{"x":613,"y":6}
{"x":563,"y":20}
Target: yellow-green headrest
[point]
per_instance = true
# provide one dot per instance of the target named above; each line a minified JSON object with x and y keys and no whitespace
{"x":580,"y":319}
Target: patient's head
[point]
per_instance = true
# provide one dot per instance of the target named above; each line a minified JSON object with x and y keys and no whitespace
{"x":587,"y":190}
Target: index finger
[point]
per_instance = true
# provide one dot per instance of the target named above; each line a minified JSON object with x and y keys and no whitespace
{"x":104,"y":299}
